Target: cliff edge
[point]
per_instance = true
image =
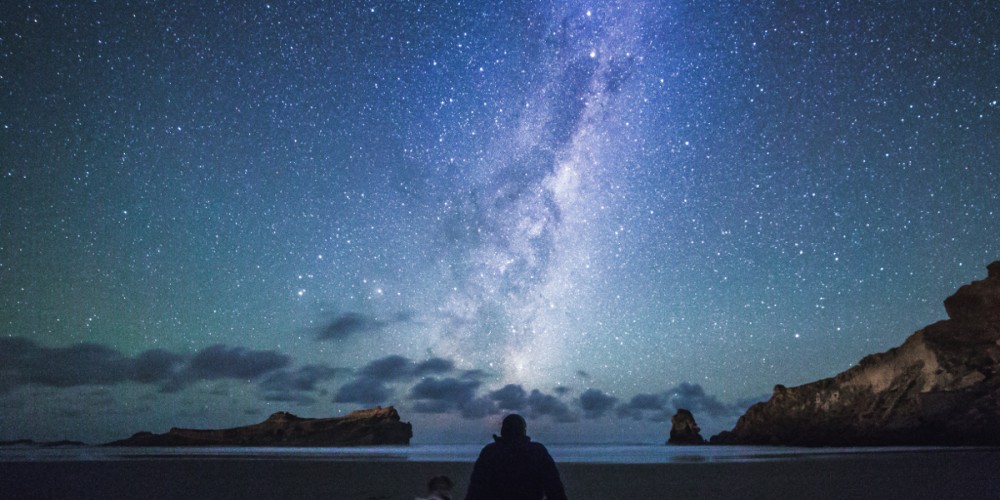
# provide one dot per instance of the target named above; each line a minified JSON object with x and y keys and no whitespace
{"x":940,"y":387}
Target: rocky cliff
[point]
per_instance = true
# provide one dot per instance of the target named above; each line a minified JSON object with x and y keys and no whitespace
{"x":376,"y":426}
{"x":940,"y":387}
{"x":683,"y":429}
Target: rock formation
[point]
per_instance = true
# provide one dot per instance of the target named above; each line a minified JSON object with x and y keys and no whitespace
{"x":375,"y":426}
{"x":940,"y":387}
{"x":684,"y":430}
{"x":43,"y":444}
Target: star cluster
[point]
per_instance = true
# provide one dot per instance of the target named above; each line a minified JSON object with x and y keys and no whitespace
{"x":592,"y":213}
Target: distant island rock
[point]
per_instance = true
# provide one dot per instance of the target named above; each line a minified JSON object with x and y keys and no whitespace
{"x":375,"y":426}
{"x":684,"y":430}
{"x":42,"y":444}
{"x":940,"y":387}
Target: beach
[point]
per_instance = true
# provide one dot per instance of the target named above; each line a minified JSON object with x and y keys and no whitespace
{"x":958,"y":474}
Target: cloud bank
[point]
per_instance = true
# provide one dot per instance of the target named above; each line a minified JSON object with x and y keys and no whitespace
{"x":25,"y":363}
{"x":432,"y":386}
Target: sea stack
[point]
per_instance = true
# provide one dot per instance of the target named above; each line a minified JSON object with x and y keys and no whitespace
{"x":940,"y":387}
{"x":374,"y":426}
{"x":684,"y":430}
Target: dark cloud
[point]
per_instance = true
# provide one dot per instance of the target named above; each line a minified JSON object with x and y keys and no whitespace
{"x":582,"y":374}
{"x":595,"y":403}
{"x":432,"y":406}
{"x":388,"y":368}
{"x":219,"y":361}
{"x":395,"y":367}
{"x":510,"y":397}
{"x":156,"y":365}
{"x":453,"y":391}
{"x":80,"y":364}
{"x":24,"y":362}
{"x":479,"y":408}
{"x":475,"y":374}
{"x":296,"y":385}
{"x":363,"y":390}
{"x":648,"y":401}
{"x":661,"y":407}
{"x":663,"y":416}
{"x":349,"y":324}
{"x":561,"y":390}
{"x":433,"y":385}
{"x":352,"y":323}
{"x":541,"y":404}
{"x":371,"y":386}
{"x":441,"y":395}
{"x":692,"y":397}
{"x":625,"y":411}
{"x":639,"y":403}
{"x":404,"y":317}
{"x":444,"y":395}
{"x":434,"y":366}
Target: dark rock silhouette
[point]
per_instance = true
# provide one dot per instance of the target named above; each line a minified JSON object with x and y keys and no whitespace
{"x":19,"y":442}
{"x":375,"y":426}
{"x":684,"y":430}
{"x":940,"y":387}
{"x":42,"y":444}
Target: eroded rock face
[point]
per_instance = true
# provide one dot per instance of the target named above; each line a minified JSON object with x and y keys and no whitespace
{"x":940,"y":387}
{"x":375,"y":426}
{"x":684,"y":430}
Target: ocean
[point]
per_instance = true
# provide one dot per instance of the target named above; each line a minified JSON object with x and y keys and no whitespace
{"x":575,"y":454}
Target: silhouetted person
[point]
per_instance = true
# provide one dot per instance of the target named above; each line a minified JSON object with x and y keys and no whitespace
{"x":515,"y":468}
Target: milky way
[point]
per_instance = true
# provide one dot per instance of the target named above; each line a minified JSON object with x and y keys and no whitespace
{"x":591,"y":213}
{"x":537,"y":201}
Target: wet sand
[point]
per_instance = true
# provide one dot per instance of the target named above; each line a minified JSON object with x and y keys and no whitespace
{"x":972,"y":474}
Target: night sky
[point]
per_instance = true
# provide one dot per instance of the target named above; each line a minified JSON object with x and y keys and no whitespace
{"x":589,"y":213}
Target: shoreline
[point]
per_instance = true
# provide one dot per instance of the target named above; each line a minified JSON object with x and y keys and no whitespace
{"x":935,"y":474}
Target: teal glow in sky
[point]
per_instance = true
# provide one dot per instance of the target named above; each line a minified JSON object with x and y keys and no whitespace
{"x":590,"y":213}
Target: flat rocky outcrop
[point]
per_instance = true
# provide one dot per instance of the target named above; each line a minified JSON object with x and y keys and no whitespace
{"x":940,"y":387}
{"x":375,"y":426}
{"x":43,"y":444}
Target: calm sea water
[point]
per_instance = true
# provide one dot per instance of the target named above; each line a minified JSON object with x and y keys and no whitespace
{"x":609,"y":454}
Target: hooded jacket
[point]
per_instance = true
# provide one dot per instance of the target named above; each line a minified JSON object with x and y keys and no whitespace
{"x":515,"y":468}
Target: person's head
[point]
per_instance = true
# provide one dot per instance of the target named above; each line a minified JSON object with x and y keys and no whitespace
{"x":439,"y":484}
{"x":513,"y":425}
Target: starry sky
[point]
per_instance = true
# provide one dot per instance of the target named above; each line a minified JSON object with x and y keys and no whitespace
{"x":591,"y":213}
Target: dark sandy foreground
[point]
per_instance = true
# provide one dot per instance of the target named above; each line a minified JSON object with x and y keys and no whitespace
{"x":956,"y":474}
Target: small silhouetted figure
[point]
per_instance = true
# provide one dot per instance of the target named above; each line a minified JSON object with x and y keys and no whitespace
{"x":515,"y":468}
{"x":439,"y":488}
